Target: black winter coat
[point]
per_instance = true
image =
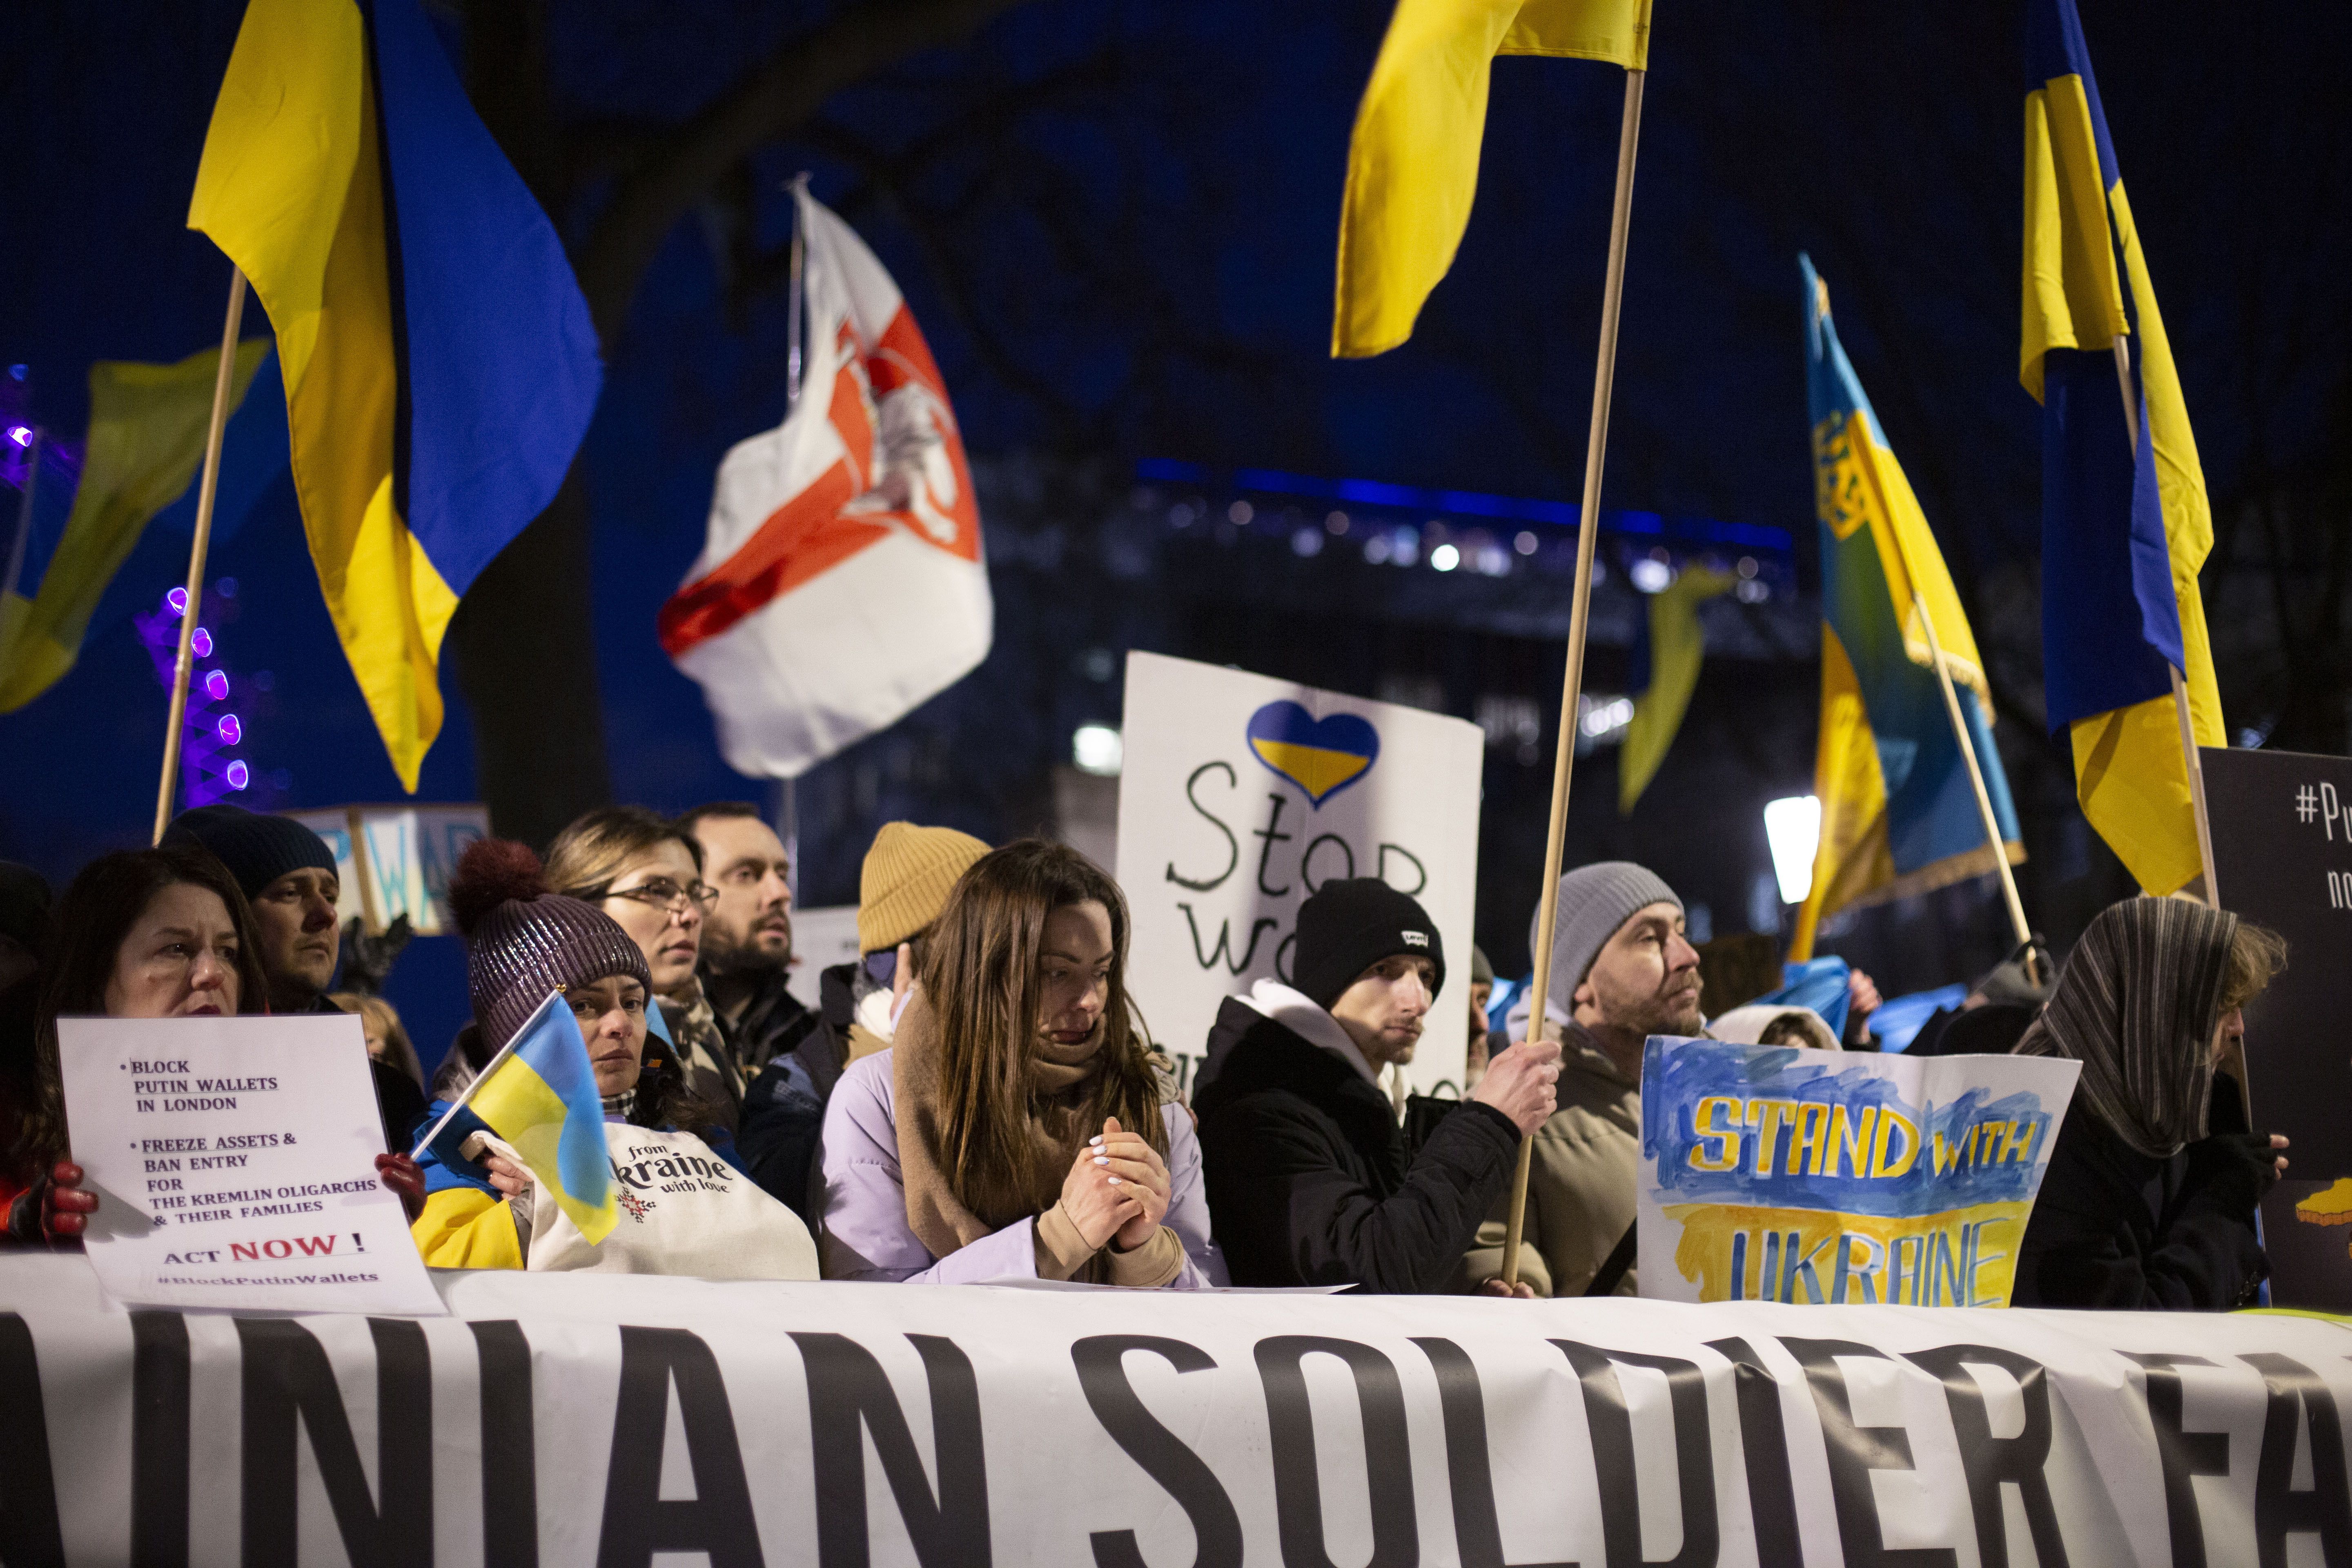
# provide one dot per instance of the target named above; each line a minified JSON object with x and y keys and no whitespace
{"x":1307,"y":1178}
{"x":2115,"y":1228}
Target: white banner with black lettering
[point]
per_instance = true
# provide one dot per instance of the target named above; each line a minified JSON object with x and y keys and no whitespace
{"x":570,"y":1422}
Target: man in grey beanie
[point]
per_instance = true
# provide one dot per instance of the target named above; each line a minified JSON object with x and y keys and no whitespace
{"x":1621,"y":970}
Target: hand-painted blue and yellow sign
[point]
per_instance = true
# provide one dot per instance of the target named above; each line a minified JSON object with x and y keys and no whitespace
{"x":1321,"y":756}
{"x":1796,"y":1175}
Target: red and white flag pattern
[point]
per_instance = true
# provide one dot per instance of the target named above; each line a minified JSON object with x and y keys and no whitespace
{"x":841,"y":582}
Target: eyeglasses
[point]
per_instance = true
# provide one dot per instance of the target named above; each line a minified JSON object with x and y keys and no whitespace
{"x":661,"y":894}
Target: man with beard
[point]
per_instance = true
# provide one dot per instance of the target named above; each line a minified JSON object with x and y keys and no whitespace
{"x":772,"y":1036}
{"x":1307,"y":1176}
{"x":1627,"y":972}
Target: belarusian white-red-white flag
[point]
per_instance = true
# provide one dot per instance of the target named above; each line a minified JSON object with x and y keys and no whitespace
{"x":841,"y":582}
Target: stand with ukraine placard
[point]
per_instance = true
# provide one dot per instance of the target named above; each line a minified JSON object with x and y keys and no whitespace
{"x":1772,"y":1173}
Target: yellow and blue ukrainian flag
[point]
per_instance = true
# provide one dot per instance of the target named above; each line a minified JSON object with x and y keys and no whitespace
{"x":540,"y":1096}
{"x":1898,"y":813}
{"x":146,"y":442}
{"x":439,"y":363}
{"x":1412,"y":162}
{"x":2124,"y":532}
{"x":1669,"y":645}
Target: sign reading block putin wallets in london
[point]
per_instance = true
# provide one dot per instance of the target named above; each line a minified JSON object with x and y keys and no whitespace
{"x":1770,"y":1172}
{"x":1240,"y":795}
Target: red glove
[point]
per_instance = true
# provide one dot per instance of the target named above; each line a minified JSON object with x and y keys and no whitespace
{"x":399,"y":1174}
{"x":65,"y":1207}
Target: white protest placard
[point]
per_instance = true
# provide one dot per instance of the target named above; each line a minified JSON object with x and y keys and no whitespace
{"x":395,"y":860}
{"x":1780,"y":1173}
{"x":235,"y":1165}
{"x":1240,"y":795}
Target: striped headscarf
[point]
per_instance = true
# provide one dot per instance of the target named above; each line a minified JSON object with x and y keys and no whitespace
{"x":2137,"y":1005}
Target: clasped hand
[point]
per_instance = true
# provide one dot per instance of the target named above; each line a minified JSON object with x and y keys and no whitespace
{"x":1117,"y":1191}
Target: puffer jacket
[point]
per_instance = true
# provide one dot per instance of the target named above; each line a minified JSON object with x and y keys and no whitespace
{"x":1308,"y":1177}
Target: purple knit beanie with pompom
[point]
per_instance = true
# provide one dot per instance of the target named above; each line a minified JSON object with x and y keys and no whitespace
{"x":523,"y":941}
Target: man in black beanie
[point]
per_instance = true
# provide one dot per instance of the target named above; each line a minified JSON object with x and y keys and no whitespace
{"x":288,"y":875}
{"x":1306,"y":1169}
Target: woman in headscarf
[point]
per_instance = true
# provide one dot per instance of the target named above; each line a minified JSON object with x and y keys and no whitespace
{"x":2150,"y":1200}
{"x":1017,"y":1127}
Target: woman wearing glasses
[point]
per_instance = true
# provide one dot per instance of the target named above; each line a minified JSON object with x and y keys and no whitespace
{"x":642,"y":869}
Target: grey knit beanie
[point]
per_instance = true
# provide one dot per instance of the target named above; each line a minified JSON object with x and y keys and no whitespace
{"x":523,"y":941}
{"x":1595,"y":902}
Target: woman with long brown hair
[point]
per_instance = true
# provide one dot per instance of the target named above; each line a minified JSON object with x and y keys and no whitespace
{"x":1017,"y":1127}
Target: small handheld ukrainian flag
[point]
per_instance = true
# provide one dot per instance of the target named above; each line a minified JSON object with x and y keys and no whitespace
{"x":540,"y":1095}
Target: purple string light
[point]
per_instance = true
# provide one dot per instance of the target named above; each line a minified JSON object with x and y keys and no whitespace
{"x":210,"y":730}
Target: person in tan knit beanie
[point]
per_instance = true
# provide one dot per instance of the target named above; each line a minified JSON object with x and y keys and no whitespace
{"x":904,"y":884}
{"x":908,"y":873}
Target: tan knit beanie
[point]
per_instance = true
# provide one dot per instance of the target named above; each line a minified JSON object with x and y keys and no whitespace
{"x":909,"y":874}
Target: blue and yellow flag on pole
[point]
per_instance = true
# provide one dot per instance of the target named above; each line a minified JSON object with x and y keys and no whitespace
{"x":1412,"y":163}
{"x":1898,"y":813}
{"x":439,"y":362}
{"x":1668,"y":648}
{"x":2124,"y":531}
{"x":146,"y":440}
{"x":542,"y":1100}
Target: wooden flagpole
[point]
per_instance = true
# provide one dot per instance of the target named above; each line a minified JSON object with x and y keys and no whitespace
{"x":1588,"y":529}
{"x":166,"y":790}
{"x":1976,"y":778}
{"x":2180,"y":685}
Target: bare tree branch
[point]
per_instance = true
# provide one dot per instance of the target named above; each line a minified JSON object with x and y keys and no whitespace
{"x":776,"y":99}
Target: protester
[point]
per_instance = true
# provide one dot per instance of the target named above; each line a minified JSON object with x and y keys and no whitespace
{"x":1862,"y":999}
{"x":907,"y":874}
{"x":23,"y":941}
{"x":1308,"y":1178}
{"x":684,"y":1206}
{"x":387,"y":1040}
{"x":287,"y":876}
{"x":2151,"y":1194}
{"x":1482,"y":990}
{"x":1016,"y":1127}
{"x":771,"y":1036}
{"x":1626,"y":971}
{"x":1996,"y":1011}
{"x":1769,"y":1024}
{"x":146,"y":933}
{"x":23,"y":923}
{"x":645,"y":872}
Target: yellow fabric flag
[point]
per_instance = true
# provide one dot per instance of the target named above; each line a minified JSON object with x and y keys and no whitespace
{"x":147,"y":425}
{"x":1412,"y":163}
{"x":1677,"y":646}
{"x":292,"y":188}
{"x":2085,"y":284}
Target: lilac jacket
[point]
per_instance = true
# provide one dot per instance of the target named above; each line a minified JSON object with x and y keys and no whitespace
{"x":865,"y":1231}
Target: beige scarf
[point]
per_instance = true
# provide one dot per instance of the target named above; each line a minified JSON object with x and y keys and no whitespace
{"x":1059,"y":1121}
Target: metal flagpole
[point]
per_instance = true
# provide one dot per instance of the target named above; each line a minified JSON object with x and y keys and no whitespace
{"x":2180,"y":685}
{"x":788,"y":804}
{"x":1976,"y":778}
{"x":1588,"y":528}
{"x":168,"y":789}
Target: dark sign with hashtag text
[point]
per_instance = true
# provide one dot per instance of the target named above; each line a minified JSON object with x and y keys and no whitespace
{"x":2282,"y":855}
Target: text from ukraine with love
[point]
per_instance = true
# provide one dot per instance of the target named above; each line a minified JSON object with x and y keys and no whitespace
{"x":1778,"y":1174}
